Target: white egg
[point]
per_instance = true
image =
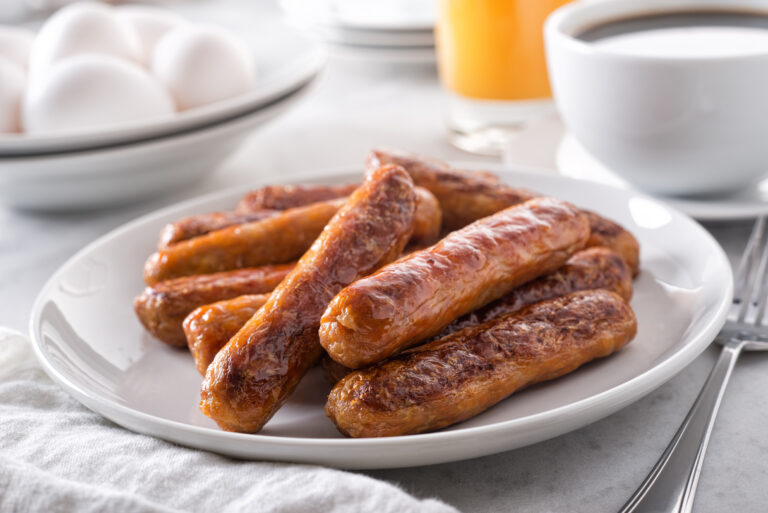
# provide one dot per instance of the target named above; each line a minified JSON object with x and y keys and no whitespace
{"x":12,"y":83}
{"x":15,"y":44}
{"x":201,"y":65}
{"x":82,"y":27}
{"x":150,"y":23}
{"x":90,"y":92}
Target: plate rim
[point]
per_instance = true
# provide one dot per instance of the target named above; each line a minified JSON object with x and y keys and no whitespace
{"x":275,"y":104}
{"x":622,"y":394}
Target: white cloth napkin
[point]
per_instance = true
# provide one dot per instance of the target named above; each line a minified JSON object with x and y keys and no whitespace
{"x":58,"y":456}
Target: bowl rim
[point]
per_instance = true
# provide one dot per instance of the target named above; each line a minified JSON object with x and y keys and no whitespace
{"x":273,"y":90}
{"x":563,"y":25}
{"x":296,"y":90}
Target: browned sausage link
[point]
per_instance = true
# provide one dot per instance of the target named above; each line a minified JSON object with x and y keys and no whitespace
{"x":283,"y":197}
{"x":589,"y":269}
{"x":467,"y":372}
{"x":209,"y":327}
{"x":427,"y":168}
{"x":593,"y":268}
{"x":252,"y":208}
{"x":200,"y":224}
{"x":465,"y":198}
{"x":419,"y":295}
{"x":163,"y":307}
{"x":274,"y":240}
{"x":428,"y":219}
{"x":254,"y":373}
{"x":604,"y":232}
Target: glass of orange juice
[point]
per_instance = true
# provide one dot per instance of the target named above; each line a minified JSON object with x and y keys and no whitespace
{"x":491,"y":61}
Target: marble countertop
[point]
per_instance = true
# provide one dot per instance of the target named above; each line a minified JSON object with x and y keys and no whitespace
{"x":360,"y":105}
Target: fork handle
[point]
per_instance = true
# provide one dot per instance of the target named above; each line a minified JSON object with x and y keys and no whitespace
{"x":671,"y":485}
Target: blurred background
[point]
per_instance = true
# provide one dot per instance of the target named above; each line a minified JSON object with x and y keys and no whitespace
{"x":112,"y":110}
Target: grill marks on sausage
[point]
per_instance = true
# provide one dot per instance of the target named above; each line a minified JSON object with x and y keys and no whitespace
{"x":417,"y":296}
{"x":468,"y":371}
{"x":284,"y":197}
{"x":260,"y":366}
{"x":466,"y":196}
{"x":163,"y":307}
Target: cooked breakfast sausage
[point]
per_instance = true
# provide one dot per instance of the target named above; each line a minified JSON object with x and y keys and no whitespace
{"x":283,"y":197}
{"x":209,"y":327}
{"x":465,"y":198}
{"x":255,"y":206}
{"x":416,"y":297}
{"x":465,"y":373}
{"x":427,"y":220}
{"x":274,"y":240}
{"x":604,"y":232}
{"x":200,"y":224}
{"x":163,"y":307}
{"x":589,"y":269}
{"x":251,"y":377}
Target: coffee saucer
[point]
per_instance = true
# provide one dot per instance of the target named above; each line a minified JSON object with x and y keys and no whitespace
{"x":575,"y":161}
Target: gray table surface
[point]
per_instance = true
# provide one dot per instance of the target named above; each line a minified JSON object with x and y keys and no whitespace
{"x":360,"y":105}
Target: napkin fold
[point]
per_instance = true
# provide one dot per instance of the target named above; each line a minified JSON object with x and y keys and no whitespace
{"x":58,"y":456}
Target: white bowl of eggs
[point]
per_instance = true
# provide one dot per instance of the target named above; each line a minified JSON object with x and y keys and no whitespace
{"x":106,"y":105}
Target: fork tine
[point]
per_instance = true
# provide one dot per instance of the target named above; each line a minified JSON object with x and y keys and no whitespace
{"x":748,"y":267}
{"x":757,"y":305}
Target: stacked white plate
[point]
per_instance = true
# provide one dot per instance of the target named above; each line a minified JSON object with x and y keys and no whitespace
{"x":86,"y":170}
{"x":394,"y":31}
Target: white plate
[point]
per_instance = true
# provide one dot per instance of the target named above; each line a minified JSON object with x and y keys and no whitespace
{"x":387,"y":55}
{"x":285,"y":63}
{"x":378,"y":38}
{"x":373,"y":15}
{"x":89,"y":341}
{"x":575,"y":161}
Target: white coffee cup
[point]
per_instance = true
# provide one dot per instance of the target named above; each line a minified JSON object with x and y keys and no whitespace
{"x":678,"y":125}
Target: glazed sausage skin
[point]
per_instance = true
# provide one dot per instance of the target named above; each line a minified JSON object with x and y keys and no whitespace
{"x":253,"y":207}
{"x":283,"y":197}
{"x":251,"y":377}
{"x":427,"y":220}
{"x":463,"y":374}
{"x":465,"y":197}
{"x":416,"y":297}
{"x":209,"y":327}
{"x":201,"y":224}
{"x":274,"y":240}
{"x":589,"y":269}
{"x":604,"y":232}
{"x":163,"y":307}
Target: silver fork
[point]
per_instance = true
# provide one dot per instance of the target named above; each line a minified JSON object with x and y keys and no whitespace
{"x":671,"y":485}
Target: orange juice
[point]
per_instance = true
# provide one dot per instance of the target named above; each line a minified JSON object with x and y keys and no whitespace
{"x":494,"y":49}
